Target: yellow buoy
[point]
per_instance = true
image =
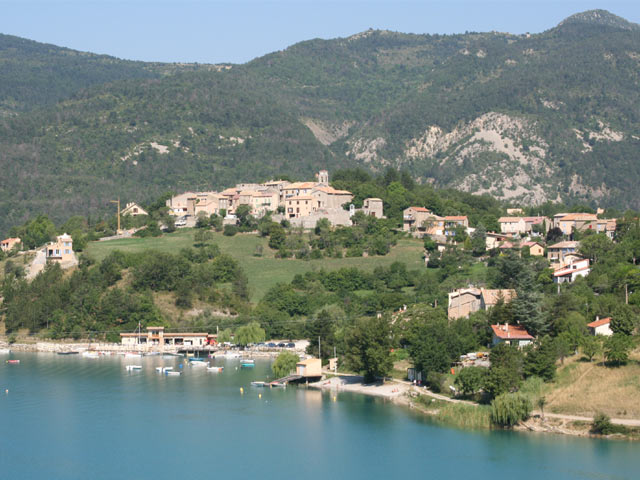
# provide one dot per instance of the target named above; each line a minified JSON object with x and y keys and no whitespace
{"x":259,"y":395}
{"x":334,"y":398}
{"x":241,"y":390}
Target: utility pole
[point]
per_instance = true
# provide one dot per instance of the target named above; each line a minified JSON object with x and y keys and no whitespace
{"x":118,"y":202}
{"x":626,"y":294}
{"x":319,"y":351}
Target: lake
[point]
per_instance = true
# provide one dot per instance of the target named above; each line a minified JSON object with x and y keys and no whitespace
{"x":69,"y":417}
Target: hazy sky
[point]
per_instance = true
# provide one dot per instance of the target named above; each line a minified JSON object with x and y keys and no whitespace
{"x":213,"y":31}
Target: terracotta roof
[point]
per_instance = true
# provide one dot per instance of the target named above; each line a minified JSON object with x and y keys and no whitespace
{"x":13,"y":239}
{"x":599,"y":323}
{"x":511,"y":332}
{"x":298,"y":185}
{"x":530,"y":244}
{"x":567,"y":270}
{"x":455,"y":217}
{"x":568,"y":244}
{"x":420,"y":209}
{"x":534,"y":220}
{"x":509,"y":219}
{"x":332,"y":191}
{"x":579,"y":217}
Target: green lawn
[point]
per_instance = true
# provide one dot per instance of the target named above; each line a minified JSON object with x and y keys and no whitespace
{"x":263,"y":272}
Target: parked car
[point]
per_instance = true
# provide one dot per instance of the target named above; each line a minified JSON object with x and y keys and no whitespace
{"x":282,"y":345}
{"x":271,"y":345}
{"x":291,"y":345}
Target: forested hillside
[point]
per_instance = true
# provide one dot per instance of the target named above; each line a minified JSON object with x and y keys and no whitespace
{"x":549,"y":116}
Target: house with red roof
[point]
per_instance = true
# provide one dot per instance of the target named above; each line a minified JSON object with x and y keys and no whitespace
{"x":511,"y":335}
{"x":600,"y":327}
{"x":569,"y":272}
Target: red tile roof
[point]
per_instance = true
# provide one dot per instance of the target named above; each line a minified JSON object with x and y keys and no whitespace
{"x":599,"y":323}
{"x":511,"y":332}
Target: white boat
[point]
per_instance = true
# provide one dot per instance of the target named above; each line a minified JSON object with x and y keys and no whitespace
{"x":5,"y":351}
{"x":131,"y":368}
{"x":232,"y":355}
{"x":215,"y":369}
{"x":258,"y":384}
{"x":198,"y":363}
{"x":163,"y":369}
{"x":172,"y":373}
{"x":132,"y":355}
{"x":90,"y":354}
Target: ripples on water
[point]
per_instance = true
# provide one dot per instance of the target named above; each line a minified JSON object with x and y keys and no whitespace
{"x":69,"y":417}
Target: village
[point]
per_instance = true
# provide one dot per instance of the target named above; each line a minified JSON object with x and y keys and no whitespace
{"x":303,"y":204}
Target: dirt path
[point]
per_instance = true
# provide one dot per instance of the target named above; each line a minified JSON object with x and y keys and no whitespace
{"x":37,"y":265}
{"x":578,"y":418}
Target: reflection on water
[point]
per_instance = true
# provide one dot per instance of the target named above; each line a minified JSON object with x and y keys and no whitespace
{"x":74,"y":417}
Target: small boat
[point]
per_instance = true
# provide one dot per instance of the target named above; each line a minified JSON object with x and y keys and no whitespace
{"x":69,"y":353}
{"x":276,"y":384}
{"x":132,"y":355}
{"x":131,"y":368}
{"x":199,"y":363}
{"x":152,"y":354}
{"x":13,"y":362}
{"x":5,"y":351}
{"x":171,"y":373}
{"x":248,"y":364}
{"x":90,"y":354}
{"x":163,"y":369}
{"x":215,"y":369}
{"x":232,"y":355}
{"x":258,"y":384}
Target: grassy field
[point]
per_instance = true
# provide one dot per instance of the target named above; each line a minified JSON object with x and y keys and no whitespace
{"x":584,"y":388}
{"x":265,"y":271}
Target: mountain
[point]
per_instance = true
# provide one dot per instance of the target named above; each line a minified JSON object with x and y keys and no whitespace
{"x":35,"y":74}
{"x":526,"y":118}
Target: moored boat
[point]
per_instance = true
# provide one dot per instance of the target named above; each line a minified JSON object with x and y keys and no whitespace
{"x":247,"y":363}
{"x":163,"y":369}
{"x":72,"y":352}
{"x":131,"y":368}
{"x":258,"y":384}
{"x":171,"y":373}
{"x":5,"y":351}
{"x":132,"y":355}
{"x":198,"y":363}
{"x":13,"y":362}
{"x":215,"y":369}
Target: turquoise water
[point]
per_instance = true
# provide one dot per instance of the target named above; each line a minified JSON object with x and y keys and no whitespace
{"x":81,"y":418}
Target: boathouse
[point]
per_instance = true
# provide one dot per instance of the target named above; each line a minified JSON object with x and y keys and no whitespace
{"x":157,"y":336}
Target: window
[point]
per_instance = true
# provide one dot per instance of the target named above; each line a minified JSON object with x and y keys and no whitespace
{"x":66,"y":251}
{"x":57,"y":252}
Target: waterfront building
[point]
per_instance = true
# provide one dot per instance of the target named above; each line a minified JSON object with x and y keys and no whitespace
{"x":156,"y":336}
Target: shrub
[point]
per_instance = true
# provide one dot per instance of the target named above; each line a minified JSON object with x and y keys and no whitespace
{"x":510,"y":408}
{"x":435,"y":381}
{"x":230,"y":230}
{"x":285,"y":364}
{"x":471,"y":379}
{"x":602,"y":425}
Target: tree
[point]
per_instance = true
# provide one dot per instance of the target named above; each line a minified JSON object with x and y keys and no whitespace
{"x":541,"y":360}
{"x":368,"y":346}
{"x":554,"y":235}
{"x":224,"y":336}
{"x":479,"y":240}
{"x":509,"y":409}
{"x":277,"y":237}
{"x":595,"y":247}
{"x":322,"y":327}
{"x":527,"y":306}
{"x":284,"y":364}
{"x":591,"y":346}
{"x":617,"y":348}
{"x":470,"y":380}
{"x":240,"y":285}
{"x":505,"y":373}
{"x":251,"y":333}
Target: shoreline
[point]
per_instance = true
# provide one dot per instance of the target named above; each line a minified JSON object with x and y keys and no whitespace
{"x":405,"y":394}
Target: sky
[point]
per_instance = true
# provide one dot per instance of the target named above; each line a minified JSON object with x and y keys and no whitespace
{"x":236,"y":31}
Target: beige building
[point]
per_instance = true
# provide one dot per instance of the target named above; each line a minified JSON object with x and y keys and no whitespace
{"x":61,"y":250}
{"x":297,"y":188}
{"x":373,"y":207}
{"x":299,"y":206}
{"x":466,"y":301}
{"x":156,"y":336}
{"x":179,"y":204}
{"x":133,"y":209}
{"x":575,"y":221}
{"x":535,"y":249}
{"x":309,"y":368}
{"x":557,"y":252}
{"x":329,"y":197}
{"x":8,"y":243}
{"x":420,"y":219}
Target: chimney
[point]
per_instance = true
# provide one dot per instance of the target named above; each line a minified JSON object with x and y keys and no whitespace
{"x":597,"y":317}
